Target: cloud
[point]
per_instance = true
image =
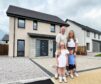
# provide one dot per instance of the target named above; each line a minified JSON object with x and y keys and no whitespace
{"x":87,"y":12}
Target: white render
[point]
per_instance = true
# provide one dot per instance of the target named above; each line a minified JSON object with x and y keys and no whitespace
{"x":81,"y":35}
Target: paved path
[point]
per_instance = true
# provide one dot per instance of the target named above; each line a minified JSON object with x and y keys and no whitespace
{"x":89,"y":77}
{"x":19,"y":70}
{"x":83,"y":63}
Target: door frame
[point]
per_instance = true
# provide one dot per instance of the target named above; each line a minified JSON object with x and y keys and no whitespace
{"x":17,"y":48}
{"x":47,"y":46}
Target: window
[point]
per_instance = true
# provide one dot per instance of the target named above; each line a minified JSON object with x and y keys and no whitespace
{"x":20,"y":47}
{"x":21,"y":23}
{"x":88,"y":34}
{"x":88,"y":46}
{"x":35,"y":25}
{"x":52,"y":28}
{"x":98,"y":36}
{"x":94,"y":35}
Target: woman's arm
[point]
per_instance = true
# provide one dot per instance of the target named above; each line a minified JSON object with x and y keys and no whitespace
{"x":76,"y":45}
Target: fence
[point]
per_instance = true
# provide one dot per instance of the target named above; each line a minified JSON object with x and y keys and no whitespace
{"x":3,"y":49}
{"x":82,"y":50}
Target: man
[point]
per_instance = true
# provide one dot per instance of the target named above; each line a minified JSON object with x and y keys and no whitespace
{"x":61,"y":36}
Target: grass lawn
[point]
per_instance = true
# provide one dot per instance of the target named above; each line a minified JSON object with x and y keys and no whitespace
{"x":98,"y":55}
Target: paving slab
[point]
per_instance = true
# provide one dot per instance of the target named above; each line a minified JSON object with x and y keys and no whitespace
{"x":19,"y":70}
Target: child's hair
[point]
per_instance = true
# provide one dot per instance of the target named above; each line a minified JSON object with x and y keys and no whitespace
{"x":59,"y":48}
{"x":68,"y":37}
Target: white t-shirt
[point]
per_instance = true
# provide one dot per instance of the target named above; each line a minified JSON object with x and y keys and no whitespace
{"x":61,"y":37}
{"x":62,"y":59}
{"x":72,"y":43}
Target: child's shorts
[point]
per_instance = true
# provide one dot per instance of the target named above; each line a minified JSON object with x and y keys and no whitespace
{"x":71,"y":66}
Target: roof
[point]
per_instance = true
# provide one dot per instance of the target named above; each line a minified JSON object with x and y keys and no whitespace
{"x":41,"y":35}
{"x":29,"y":14}
{"x":84,"y":27}
{"x":5,"y":38}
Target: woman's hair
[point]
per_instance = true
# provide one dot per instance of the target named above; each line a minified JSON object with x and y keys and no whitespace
{"x":68,"y":37}
{"x":59,"y":48}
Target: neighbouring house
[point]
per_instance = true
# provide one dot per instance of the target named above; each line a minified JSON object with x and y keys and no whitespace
{"x":32,"y":33}
{"x":87,"y":36}
{"x":5,"y":39}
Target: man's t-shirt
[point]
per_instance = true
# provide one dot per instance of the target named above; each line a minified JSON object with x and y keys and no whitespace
{"x":61,"y":37}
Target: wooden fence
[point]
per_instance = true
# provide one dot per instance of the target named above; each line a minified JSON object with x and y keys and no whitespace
{"x":82,"y":50}
{"x":3,"y":49}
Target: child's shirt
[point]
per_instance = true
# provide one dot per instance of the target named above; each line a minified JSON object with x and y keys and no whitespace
{"x":64,"y":52}
{"x":71,"y":59}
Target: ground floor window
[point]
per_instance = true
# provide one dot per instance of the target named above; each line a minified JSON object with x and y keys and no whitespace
{"x":88,"y":46}
{"x":20,"y":47}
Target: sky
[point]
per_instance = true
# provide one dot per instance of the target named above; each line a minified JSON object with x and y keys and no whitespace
{"x":86,"y":12}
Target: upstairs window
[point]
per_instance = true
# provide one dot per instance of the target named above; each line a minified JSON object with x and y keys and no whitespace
{"x":94,"y":35}
{"x":21,"y":23}
{"x":88,"y":34}
{"x":35,"y":25}
{"x":52,"y":28}
{"x":98,"y":36}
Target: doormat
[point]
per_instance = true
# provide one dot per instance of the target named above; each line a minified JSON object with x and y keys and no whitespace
{"x":48,"y":81}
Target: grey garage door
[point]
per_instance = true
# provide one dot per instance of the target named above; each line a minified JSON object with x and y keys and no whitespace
{"x":96,"y":46}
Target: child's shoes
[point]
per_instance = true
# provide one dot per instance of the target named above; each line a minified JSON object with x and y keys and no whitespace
{"x":64,"y":79}
{"x":60,"y":79}
{"x":71,"y":76}
{"x":76,"y":74}
{"x":56,"y":76}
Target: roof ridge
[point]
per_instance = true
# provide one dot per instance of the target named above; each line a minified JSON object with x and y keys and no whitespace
{"x":77,"y":23}
{"x":32,"y":10}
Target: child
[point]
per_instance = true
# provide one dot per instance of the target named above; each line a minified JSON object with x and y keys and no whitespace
{"x":62,"y":61}
{"x":72,"y":44}
{"x":71,"y":60}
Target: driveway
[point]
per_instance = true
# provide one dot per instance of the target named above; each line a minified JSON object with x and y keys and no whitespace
{"x":83,"y":63}
{"x":19,"y":70}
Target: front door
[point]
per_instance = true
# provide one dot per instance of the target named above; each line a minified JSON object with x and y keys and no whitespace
{"x":43,"y":47}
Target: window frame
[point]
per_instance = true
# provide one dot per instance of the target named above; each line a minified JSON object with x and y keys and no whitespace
{"x":54,"y":28}
{"x":88,"y":46}
{"x":17,"y":48}
{"x":94,"y":35}
{"x":88,"y":33}
{"x":34,"y":21}
{"x":98,"y":36}
{"x":19,"y":23}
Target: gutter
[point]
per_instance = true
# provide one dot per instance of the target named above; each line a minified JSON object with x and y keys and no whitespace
{"x":14,"y":40}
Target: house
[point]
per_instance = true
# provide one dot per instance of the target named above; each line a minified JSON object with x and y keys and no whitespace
{"x":5,"y":39}
{"x":32,"y":33}
{"x":87,"y":36}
